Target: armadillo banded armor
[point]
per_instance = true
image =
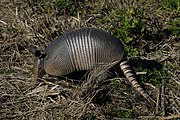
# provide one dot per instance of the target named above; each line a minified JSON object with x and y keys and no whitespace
{"x":80,"y":50}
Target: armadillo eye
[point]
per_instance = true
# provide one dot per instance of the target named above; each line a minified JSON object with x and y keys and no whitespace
{"x":37,"y":53}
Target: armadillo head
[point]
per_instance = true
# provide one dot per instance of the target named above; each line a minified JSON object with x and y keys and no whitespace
{"x":38,"y":66}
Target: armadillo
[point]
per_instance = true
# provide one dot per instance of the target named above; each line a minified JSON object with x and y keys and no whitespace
{"x":80,"y":50}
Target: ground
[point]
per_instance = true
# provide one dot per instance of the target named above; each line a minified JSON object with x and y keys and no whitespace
{"x":149,"y":31}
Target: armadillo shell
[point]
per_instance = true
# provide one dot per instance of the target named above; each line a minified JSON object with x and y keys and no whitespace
{"x":81,"y":50}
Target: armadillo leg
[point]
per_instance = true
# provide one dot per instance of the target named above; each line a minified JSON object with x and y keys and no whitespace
{"x":130,"y":75}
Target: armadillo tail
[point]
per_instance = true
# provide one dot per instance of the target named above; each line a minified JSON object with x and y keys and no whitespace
{"x":130,"y":75}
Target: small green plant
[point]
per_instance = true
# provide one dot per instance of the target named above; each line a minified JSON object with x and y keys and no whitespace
{"x":116,"y":85}
{"x":62,"y":6}
{"x":125,"y":113}
{"x":173,"y":5}
{"x":131,"y":51}
{"x":131,"y":28}
{"x":175,"y":26}
{"x":46,"y":5}
{"x":88,"y":116}
{"x":132,"y":25}
{"x":153,"y":76}
{"x":3,"y":70}
{"x":69,"y":6}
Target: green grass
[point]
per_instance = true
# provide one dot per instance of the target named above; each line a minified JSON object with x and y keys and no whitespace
{"x":175,"y":26}
{"x":153,"y":76}
{"x":117,"y":86}
{"x":127,"y":113}
{"x":4,"y":71}
{"x":88,"y":116}
{"x":173,"y":5}
{"x":62,"y":6}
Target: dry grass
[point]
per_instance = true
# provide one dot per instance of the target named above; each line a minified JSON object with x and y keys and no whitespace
{"x":24,"y":23}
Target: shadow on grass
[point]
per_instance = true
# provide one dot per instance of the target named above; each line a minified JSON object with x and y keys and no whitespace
{"x":144,"y":63}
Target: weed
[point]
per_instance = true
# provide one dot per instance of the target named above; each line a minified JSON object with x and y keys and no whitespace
{"x":117,"y":86}
{"x":125,"y":113}
{"x":46,"y":5}
{"x":61,"y":6}
{"x":175,"y":26}
{"x":68,"y":6}
{"x":153,"y":76}
{"x":130,"y":25}
{"x":88,"y":116}
{"x":173,"y":5}
{"x":3,"y":70}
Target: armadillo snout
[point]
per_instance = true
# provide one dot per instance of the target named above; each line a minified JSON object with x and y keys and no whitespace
{"x":36,"y":67}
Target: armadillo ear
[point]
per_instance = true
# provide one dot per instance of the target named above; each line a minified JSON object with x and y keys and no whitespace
{"x":33,"y":50}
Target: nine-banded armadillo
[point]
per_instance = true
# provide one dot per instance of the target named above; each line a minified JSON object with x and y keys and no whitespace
{"x":80,"y":50}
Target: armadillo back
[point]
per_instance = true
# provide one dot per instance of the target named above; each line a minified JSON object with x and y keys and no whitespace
{"x":80,"y":50}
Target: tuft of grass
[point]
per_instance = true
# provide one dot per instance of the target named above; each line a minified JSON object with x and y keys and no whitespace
{"x":175,"y":26}
{"x":62,"y":6}
{"x":88,"y":116}
{"x":4,"y":71}
{"x":124,"y":113}
{"x":173,"y":5}
{"x":132,"y":23}
{"x":117,"y":85}
{"x":153,"y":76}
{"x":71,"y":7}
